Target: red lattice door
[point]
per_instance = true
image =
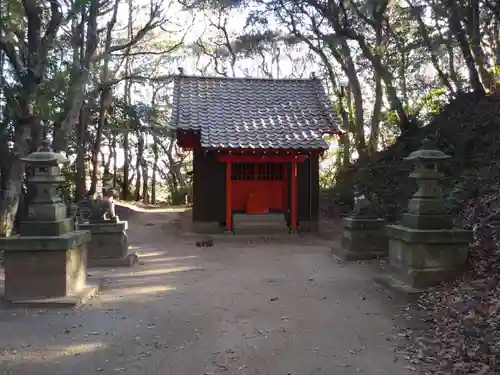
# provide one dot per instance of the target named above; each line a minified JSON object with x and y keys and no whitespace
{"x":258,"y":187}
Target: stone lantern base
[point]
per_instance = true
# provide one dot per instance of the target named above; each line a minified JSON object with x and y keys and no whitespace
{"x":109,"y":245}
{"x":419,"y":259}
{"x":363,"y":238}
{"x":47,"y":271}
{"x":47,"y":228}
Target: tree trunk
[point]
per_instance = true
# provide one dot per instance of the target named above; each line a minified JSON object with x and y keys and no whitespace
{"x":396,"y":104}
{"x":138,"y":163}
{"x":96,"y":146}
{"x":346,"y":151}
{"x":375,"y":121}
{"x":127,"y":102}
{"x":78,"y":81}
{"x":345,"y":141}
{"x":13,"y":186}
{"x":145,"y":177}
{"x":115,"y":165}
{"x":80,"y":183}
{"x":144,"y":169}
{"x":473,"y":24}
{"x":126,"y":167}
{"x":155,"y":167}
{"x":137,"y":191}
{"x":105,"y":98}
{"x":402,"y":79}
{"x":357,"y":95}
{"x":451,"y":62}
{"x":496,"y":36}
{"x":428,"y":43}
{"x":107,"y":162}
{"x":459,"y":34}
{"x":346,"y":62}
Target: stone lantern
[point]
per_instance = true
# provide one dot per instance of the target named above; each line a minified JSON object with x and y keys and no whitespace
{"x":425,"y":249}
{"x":46,"y":264}
{"x":427,"y":209}
{"x":47,"y":213}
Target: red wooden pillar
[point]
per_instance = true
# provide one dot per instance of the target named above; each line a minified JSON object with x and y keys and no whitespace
{"x":229,"y":209}
{"x":285,"y":185}
{"x":293,"y":196}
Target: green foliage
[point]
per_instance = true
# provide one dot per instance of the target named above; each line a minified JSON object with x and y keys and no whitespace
{"x":468,"y":130}
{"x":79,"y":3}
{"x":433,"y":101}
{"x":326,"y":177}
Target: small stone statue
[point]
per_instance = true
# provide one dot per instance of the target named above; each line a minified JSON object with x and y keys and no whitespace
{"x":103,"y":210}
{"x":362,"y":206}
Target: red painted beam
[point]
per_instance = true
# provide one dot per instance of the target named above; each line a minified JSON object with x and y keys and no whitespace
{"x":285,"y":186}
{"x":262,"y":158}
{"x":187,"y":139}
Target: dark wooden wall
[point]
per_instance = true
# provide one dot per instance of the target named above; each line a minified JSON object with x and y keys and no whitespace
{"x":308,"y":189}
{"x":209,"y":188}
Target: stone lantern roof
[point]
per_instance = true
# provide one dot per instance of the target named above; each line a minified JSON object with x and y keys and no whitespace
{"x":427,"y":153}
{"x":45,"y":155}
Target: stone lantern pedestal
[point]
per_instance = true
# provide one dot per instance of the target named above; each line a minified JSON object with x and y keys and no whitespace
{"x":425,"y":249}
{"x":46,"y":264}
{"x":363,"y":234}
{"x":109,"y":244}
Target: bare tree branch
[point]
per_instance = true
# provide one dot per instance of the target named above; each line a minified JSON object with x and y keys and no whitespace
{"x":154,"y":21}
{"x":52,"y":29}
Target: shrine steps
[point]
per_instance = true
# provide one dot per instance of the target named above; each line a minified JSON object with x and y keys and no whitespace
{"x":260,"y":224}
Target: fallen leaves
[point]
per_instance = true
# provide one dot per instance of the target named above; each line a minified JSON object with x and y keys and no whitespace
{"x":459,"y":322}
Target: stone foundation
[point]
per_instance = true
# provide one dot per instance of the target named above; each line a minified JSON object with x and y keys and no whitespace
{"x":46,"y":228}
{"x":260,"y":224}
{"x":44,"y":274}
{"x":308,"y":226}
{"x":362,"y":239}
{"x":108,"y":246}
{"x":207,"y":227}
{"x":41,"y":268}
{"x":422,"y":258}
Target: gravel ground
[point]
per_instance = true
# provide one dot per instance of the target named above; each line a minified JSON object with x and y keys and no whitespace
{"x":235,"y":308}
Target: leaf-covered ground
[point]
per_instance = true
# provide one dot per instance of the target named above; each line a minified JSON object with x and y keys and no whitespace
{"x":461,"y":333}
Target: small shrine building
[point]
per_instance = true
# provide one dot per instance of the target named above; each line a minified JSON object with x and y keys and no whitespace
{"x":256,"y":145}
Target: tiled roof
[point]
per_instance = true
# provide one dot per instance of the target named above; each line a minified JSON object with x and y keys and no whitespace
{"x":254,"y":112}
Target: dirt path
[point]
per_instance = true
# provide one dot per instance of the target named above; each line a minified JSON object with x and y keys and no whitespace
{"x":235,"y":308}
